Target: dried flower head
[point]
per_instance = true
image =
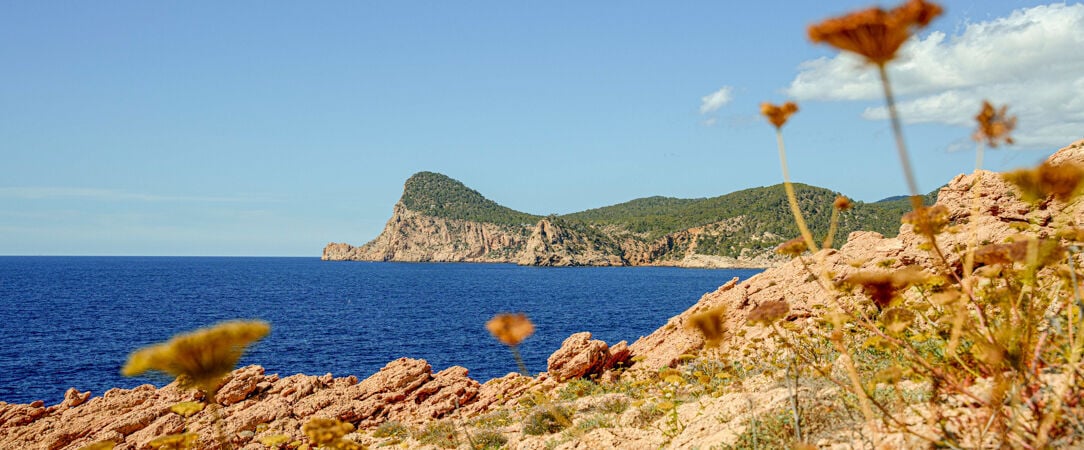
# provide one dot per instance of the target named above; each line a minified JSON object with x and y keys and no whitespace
{"x":874,"y":33}
{"x":1047,"y":251}
{"x":994,"y":125}
{"x":842,"y":203}
{"x":201,"y":357}
{"x":778,"y":115}
{"x":792,"y":248}
{"x":928,"y":220}
{"x":710,"y":324}
{"x":511,"y":329}
{"x":884,"y":287}
{"x":182,"y":441}
{"x":1061,"y":181}
{"x":768,"y":312}
{"x":326,"y":432}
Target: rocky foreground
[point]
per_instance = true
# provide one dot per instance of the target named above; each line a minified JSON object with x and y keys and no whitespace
{"x":630,"y":402}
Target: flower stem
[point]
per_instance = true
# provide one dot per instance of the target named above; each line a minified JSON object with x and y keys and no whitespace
{"x":901,"y":148}
{"x":792,"y":198}
{"x":519,"y":360}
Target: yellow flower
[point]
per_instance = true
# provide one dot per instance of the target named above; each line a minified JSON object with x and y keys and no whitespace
{"x":874,"y":33}
{"x":175,"y":442}
{"x":326,"y":432}
{"x":710,"y":324}
{"x":100,"y":445}
{"x":186,"y":409}
{"x":994,"y":125}
{"x":275,"y":440}
{"x":511,"y":329}
{"x":778,"y":115}
{"x":201,"y":357}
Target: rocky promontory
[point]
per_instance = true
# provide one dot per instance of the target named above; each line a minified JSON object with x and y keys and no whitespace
{"x":438,"y":219}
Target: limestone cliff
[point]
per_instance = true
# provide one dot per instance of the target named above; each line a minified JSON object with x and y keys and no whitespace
{"x":417,"y":237}
{"x":438,"y":219}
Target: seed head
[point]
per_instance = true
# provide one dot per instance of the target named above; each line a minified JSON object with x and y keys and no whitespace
{"x":883,"y":287}
{"x":778,"y":115}
{"x":768,"y":312}
{"x":792,"y":248}
{"x":928,"y":220}
{"x":874,"y":33}
{"x":200,"y":358}
{"x":510,"y":329}
{"x":1061,"y":181}
{"x":842,"y":203}
{"x":710,"y":324}
{"x":994,"y":125}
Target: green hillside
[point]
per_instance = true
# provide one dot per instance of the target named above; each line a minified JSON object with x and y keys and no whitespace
{"x":765,"y":208}
{"x":755,"y":219}
{"x":440,"y":196}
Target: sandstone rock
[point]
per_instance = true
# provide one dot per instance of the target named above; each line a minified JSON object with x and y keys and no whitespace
{"x":239,"y":385}
{"x":579,"y":356}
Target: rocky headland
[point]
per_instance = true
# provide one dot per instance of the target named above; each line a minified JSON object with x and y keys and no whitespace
{"x":619,"y":396}
{"x":439,"y":219}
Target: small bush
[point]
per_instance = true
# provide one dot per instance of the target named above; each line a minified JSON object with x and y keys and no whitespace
{"x":546,"y":420}
{"x":391,"y":429}
{"x":488,"y":440}
{"x":440,"y":434}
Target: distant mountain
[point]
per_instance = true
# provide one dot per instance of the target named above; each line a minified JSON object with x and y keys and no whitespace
{"x":441,"y":219}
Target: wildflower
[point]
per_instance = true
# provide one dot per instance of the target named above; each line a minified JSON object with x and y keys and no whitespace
{"x":768,"y":312}
{"x":186,"y":409}
{"x":1061,"y":181}
{"x":874,"y":33}
{"x":842,"y":203}
{"x":994,"y":125}
{"x":100,"y":445}
{"x":792,"y":248}
{"x":896,"y":320}
{"x":884,"y":287}
{"x":200,"y":358}
{"x":511,"y":329}
{"x":274,"y":440}
{"x":928,"y":220}
{"x":778,"y":115}
{"x":326,"y":432}
{"x":175,"y":442}
{"x":710,"y":324}
{"x":1048,"y":251}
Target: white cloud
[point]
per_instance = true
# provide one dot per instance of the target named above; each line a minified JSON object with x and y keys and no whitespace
{"x":1031,"y":60}
{"x":712,"y":102}
{"x":45,"y":193}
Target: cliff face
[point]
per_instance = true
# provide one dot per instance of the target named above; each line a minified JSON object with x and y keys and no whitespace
{"x":417,"y":237}
{"x":439,"y":219}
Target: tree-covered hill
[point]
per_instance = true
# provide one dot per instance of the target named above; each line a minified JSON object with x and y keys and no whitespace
{"x":441,"y":196}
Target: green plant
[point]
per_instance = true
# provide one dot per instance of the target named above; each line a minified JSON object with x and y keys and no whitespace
{"x":391,"y":429}
{"x":547,"y":420}
{"x":488,"y":440}
{"x":439,"y":433}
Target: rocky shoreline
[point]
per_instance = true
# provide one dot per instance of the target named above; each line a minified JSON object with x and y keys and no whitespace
{"x":408,"y":392}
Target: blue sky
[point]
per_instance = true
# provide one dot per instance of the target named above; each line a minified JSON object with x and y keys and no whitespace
{"x":273,"y":128}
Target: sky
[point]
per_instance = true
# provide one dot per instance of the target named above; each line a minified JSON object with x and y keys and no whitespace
{"x":267,"y":128}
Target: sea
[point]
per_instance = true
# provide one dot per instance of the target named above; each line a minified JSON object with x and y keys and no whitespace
{"x":73,"y":321}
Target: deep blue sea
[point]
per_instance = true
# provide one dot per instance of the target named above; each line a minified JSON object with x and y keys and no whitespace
{"x":72,"y":321}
